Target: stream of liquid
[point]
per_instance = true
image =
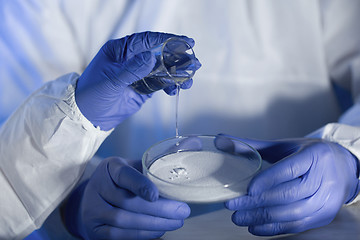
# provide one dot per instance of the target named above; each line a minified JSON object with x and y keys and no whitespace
{"x":177,"y":111}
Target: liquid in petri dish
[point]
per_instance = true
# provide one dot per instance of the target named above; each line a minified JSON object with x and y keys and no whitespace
{"x":201,"y":176}
{"x":178,"y":172}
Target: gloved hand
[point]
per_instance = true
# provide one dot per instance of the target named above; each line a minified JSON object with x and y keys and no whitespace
{"x":103,"y":94}
{"x":118,"y":202}
{"x":305,"y":188}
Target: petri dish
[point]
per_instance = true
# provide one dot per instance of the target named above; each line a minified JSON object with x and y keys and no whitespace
{"x":201,"y":168}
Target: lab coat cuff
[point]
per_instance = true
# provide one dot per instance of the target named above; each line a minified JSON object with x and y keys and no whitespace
{"x":71,"y":109}
{"x":345,"y":135}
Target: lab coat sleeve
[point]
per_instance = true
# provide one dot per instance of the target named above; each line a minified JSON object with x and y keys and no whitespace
{"x":44,"y":148}
{"x":342,"y":52}
{"x":345,"y":132}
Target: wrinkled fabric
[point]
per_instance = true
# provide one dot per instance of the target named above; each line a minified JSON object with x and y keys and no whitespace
{"x":44,"y":148}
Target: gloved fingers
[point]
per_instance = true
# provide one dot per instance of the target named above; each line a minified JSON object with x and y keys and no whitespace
{"x":144,"y":41}
{"x":187,"y":84}
{"x":127,"y":182}
{"x":129,"y":178}
{"x":110,"y":232}
{"x":224,"y":142}
{"x":270,"y":150}
{"x":163,"y":208}
{"x":316,"y":220}
{"x":229,"y":144}
{"x":271,"y":229}
{"x":284,"y":193}
{"x":135,"y":163}
{"x":287,"y":169}
{"x":134,"y":69}
{"x":282,"y":213}
{"x":172,"y":90}
{"x":125,"y":48}
{"x":121,"y":218}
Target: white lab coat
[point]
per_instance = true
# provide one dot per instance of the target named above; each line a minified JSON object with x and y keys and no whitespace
{"x":268,"y":70}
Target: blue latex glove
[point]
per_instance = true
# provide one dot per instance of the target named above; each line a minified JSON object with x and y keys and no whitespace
{"x":103,"y":94}
{"x":305,"y":188}
{"x":118,"y":202}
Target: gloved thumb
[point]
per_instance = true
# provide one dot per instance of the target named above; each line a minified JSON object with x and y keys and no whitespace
{"x":127,"y":177}
{"x":224,"y":142}
{"x":137,"y":67}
